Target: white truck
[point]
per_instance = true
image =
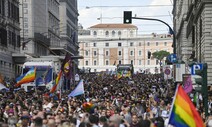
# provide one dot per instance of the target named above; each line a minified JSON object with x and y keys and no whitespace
{"x":42,"y":64}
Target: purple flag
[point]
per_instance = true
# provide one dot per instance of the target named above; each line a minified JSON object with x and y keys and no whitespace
{"x":66,"y":66}
{"x":188,"y":84}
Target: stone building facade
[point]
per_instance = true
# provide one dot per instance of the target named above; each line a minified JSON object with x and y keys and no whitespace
{"x":9,"y":37}
{"x":110,"y":44}
{"x":193,"y":27}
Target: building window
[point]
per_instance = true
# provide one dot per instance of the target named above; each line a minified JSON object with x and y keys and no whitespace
{"x":131,"y":53}
{"x":119,"y":44}
{"x":26,"y":31}
{"x":107,"y":33}
{"x":94,"y":44}
{"x":106,"y":44}
{"x":25,"y":11}
{"x":157,"y":62}
{"x":156,"y":43}
{"x":119,"y":33}
{"x":139,"y":44}
{"x":86,"y":44}
{"x":113,"y":33}
{"x":165,"y":43}
{"x":148,"y":62}
{"x":106,"y":62}
{"x":119,"y":61}
{"x":139,"y":62}
{"x":131,"y":33}
{"x":86,"y":53}
{"x":25,"y":25}
{"x":25,"y":5}
{"x":94,"y":62}
{"x":25,"y":19}
{"x":94,"y":53}
{"x":148,"y":43}
{"x":86,"y":63}
{"x":119,"y":53}
{"x":131,"y":43}
{"x":94,"y":33}
{"x":107,"y":53}
{"x":140,"y":52}
{"x":131,"y":62}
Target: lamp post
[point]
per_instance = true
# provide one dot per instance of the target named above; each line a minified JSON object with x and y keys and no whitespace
{"x":170,"y":29}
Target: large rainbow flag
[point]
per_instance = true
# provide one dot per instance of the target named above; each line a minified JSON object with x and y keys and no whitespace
{"x":57,"y":80}
{"x":28,"y":77}
{"x":184,"y":113}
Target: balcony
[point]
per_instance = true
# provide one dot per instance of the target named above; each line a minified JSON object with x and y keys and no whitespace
{"x":41,"y":39}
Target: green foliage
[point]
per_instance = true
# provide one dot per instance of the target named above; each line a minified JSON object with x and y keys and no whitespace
{"x":159,"y":55}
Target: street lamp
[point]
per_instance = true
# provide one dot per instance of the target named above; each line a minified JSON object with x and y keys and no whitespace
{"x":128,"y":20}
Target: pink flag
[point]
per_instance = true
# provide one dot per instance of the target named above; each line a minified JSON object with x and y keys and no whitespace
{"x":187,"y":85}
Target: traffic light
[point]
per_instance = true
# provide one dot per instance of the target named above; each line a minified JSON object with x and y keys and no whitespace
{"x":127,"y":17}
{"x":149,"y":55}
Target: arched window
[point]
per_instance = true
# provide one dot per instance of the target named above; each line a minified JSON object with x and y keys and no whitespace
{"x":107,"y":33}
{"x":119,"y":33}
{"x":148,"y":43}
{"x":94,"y":33}
{"x":131,"y":53}
{"x":113,"y":33}
{"x":131,"y":33}
{"x":107,"y":62}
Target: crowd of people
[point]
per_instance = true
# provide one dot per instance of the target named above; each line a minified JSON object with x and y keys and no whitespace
{"x":141,"y":101}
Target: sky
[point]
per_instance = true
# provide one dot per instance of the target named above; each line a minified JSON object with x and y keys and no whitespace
{"x":111,"y":11}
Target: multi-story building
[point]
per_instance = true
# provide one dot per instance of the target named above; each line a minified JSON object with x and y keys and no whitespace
{"x":39,"y":21}
{"x":192,"y":25}
{"x":9,"y":37}
{"x":112,"y":44}
{"x":68,"y":30}
{"x":68,"y":26}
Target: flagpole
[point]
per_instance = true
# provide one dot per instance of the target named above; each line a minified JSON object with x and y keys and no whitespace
{"x":61,"y":83}
{"x":173,"y":102}
{"x":35,"y":82}
{"x":66,"y":84}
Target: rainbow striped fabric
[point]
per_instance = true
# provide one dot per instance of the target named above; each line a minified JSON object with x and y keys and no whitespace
{"x":57,"y":80}
{"x":28,"y":77}
{"x":184,"y":113}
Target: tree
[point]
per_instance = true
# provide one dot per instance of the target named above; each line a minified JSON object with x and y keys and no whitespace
{"x":159,"y":55}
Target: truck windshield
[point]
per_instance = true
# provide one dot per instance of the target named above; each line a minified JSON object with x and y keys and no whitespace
{"x":40,"y":70}
{"x":124,"y":69}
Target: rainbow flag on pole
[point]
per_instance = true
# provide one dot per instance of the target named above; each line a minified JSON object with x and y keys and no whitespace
{"x":57,"y":80}
{"x":28,"y":77}
{"x":184,"y":113}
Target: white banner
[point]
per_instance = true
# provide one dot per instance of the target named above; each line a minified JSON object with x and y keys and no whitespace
{"x":167,"y":72}
{"x":179,"y":71}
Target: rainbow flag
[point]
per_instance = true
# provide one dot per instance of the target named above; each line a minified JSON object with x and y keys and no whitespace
{"x":184,"y":113}
{"x":28,"y":77}
{"x":56,"y":82}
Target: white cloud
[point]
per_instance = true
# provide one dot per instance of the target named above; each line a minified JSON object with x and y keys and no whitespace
{"x":161,"y":2}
